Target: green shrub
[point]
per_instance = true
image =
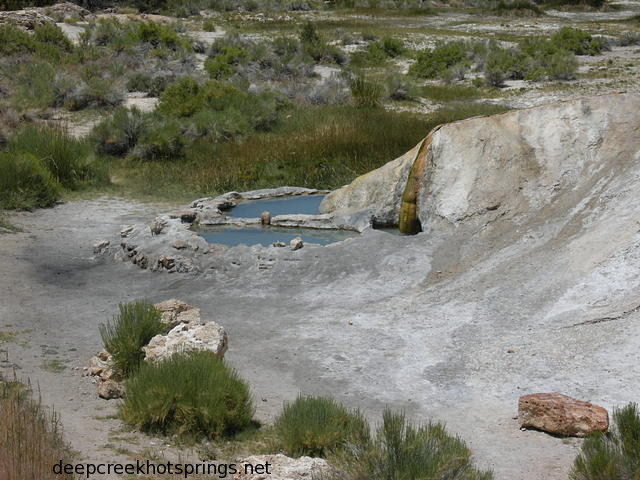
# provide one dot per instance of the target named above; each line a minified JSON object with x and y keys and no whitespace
{"x":159,"y":36}
{"x":25,"y":183}
{"x":34,"y":81}
{"x":378,"y":52}
{"x":516,"y":6}
{"x":161,"y":140}
{"x":69,"y":160}
{"x":136,"y":324}
{"x":14,"y":41}
{"x":219,"y":108}
{"x":52,"y":35}
{"x":120,"y":133}
{"x":316,"y":48}
{"x":318,"y":426}
{"x":577,"y":41}
{"x":365,"y":93}
{"x":154,"y":85}
{"x":431,"y":63}
{"x":614,"y":456}
{"x":223,"y":63}
{"x":196,"y":394}
{"x":208,"y":25}
{"x":402,"y":451}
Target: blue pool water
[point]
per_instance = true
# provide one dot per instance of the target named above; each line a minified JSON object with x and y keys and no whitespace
{"x":265,"y":236}
{"x":306,"y":204}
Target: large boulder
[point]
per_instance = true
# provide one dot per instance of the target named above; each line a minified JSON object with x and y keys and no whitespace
{"x":561,"y":415}
{"x":281,"y":467}
{"x":187,"y":337}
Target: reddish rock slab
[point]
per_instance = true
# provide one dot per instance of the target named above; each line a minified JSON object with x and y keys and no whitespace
{"x":561,"y":415}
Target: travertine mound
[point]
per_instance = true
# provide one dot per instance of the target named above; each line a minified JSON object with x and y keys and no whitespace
{"x":513,"y":166}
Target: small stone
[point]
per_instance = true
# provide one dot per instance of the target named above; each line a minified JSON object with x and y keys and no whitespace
{"x":126,"y":230}
{"x":279,"y":244}
{"x":100,"y":245}
{"x":296,"y":243}
{"x":109,"y":389}
{"x":265,"y":218}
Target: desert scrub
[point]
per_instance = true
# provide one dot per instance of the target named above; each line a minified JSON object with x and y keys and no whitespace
{"x":578,"y":41}
{"x":377,"y":53}
{"x":70,"y":161}
{"x":120,"y":133}
{"x":432,"y":63}
{"x":194,"y":394}
{"x":136,"y":324}
{"x":30,"y":438}
{"x":615,"y":455}
{"x":25,"y":183}
{"x":402,"y":451}
{"x":319,"y":426}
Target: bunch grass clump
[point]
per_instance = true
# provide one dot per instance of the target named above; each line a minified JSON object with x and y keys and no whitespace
{"x":39,"y":163}
{"x":402,"y":451}
{"x":195,"y":394}
{"x":319,"y":426}
{"x":136,"y":324}
{"x":613,"y":456}
{"x":30,"y":437}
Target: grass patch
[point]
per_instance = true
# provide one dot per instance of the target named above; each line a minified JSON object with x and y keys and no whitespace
{"x":53,"y":366}
{"x":136,"y":324}
{"x":318,"y":426}
{"x":39,"y":163}
{"x":30,"y":438}
{"x":195,"y":394}
{"x":321,"y":147}
{"x":613,"y":456}
{"x":451,"y":93}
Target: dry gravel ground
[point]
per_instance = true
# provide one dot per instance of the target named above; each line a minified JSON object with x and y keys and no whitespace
{"x":368,"y":321}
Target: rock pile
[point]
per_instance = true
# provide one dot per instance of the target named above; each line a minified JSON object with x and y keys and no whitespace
{"x":188,"y":333}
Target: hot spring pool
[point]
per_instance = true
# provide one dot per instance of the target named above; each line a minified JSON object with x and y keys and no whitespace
{"x":265,"y":236}
{"x":304,"y":204}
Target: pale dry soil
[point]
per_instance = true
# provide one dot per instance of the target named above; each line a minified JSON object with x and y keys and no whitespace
{"x":374,"y":321}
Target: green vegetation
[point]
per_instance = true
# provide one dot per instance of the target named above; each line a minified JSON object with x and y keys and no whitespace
{"x":30,"y":437}
{"x":53,"y":366}
{"x":318,"y":426}
{"x":517,"y":7}
{"x":403,"y":451}
{"x":196,"y":394}
{"x":379,"y":52}
{"x":136,"y":324}
{"x":40,"y":162}
{"x":615,"y":455}
{"x":366,"y":94}
{"x":432,"y":63}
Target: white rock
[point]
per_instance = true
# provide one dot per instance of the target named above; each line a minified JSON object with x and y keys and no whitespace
{"x":186,"y":337}
{"x":296,"y":243}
